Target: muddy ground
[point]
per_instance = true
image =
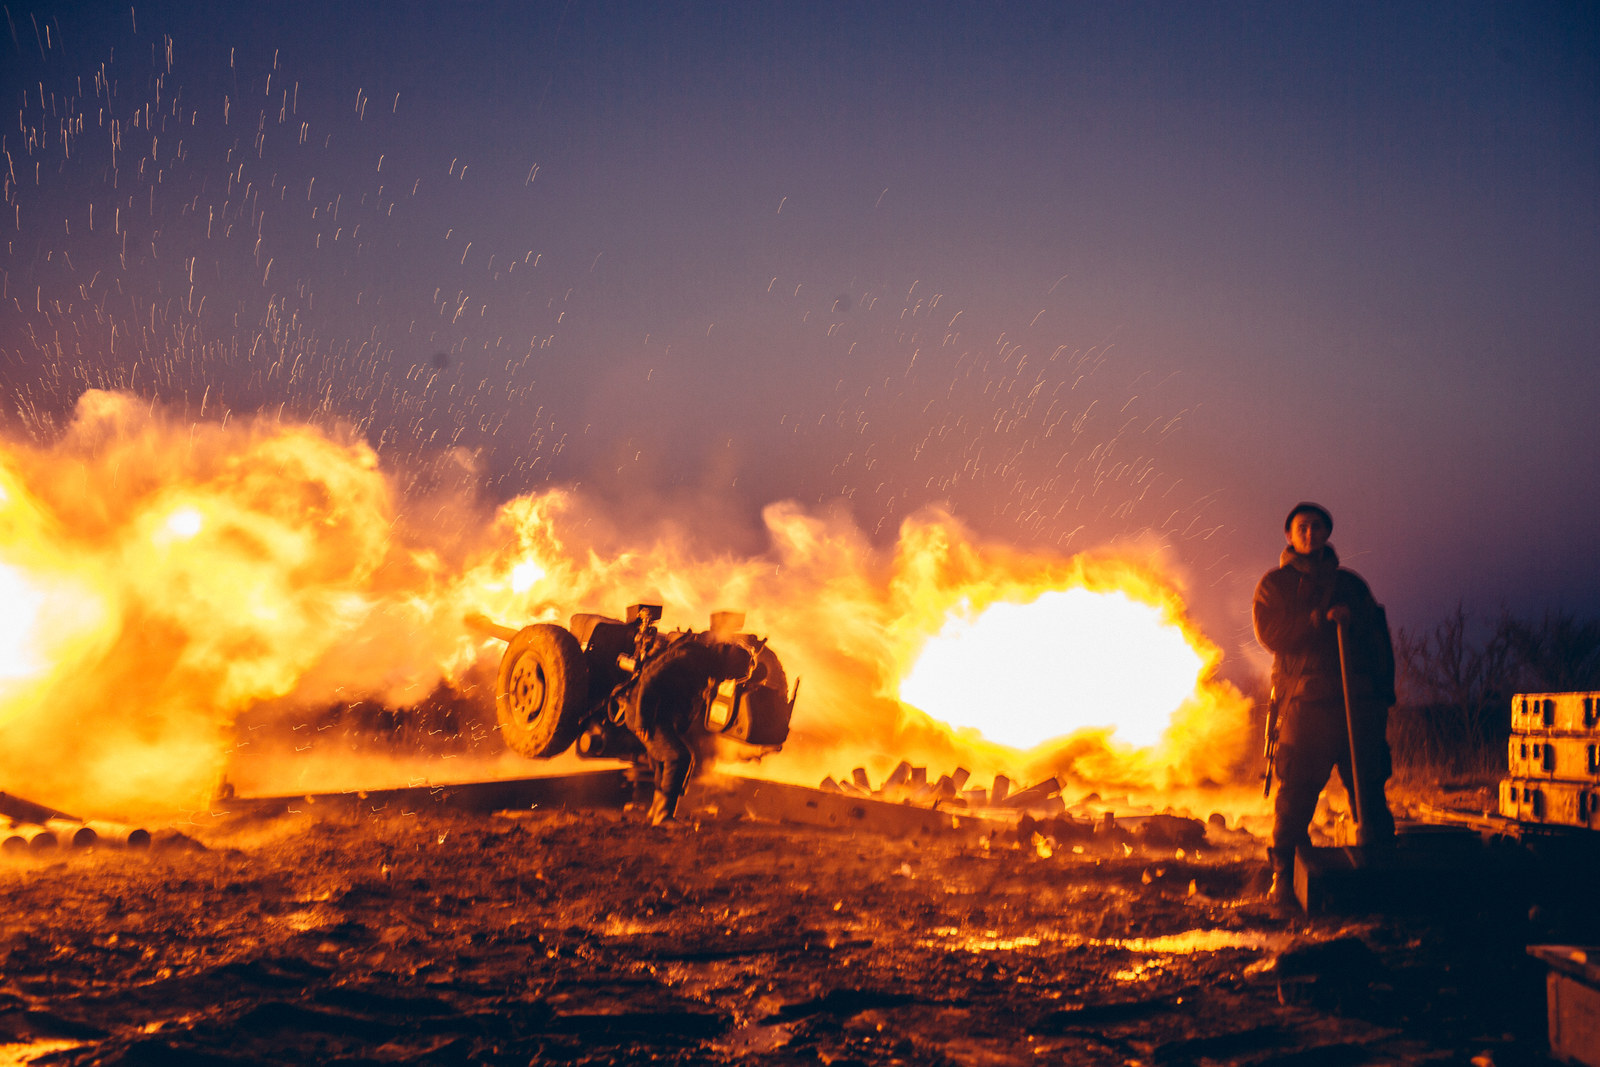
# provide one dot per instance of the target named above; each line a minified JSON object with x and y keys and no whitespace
{"x":587,"y":937}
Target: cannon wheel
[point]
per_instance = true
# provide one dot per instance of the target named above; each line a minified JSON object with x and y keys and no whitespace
{"x":541,"y":690}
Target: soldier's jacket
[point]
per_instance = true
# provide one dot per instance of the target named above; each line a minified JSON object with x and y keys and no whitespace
{"x":1291,"y":605}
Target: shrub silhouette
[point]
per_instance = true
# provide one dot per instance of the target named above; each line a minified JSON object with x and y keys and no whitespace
{"x":1455,"y":684}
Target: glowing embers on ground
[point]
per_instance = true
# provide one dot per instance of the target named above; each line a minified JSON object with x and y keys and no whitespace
{"x":1022,"y":674}
{"x":1186,"y":943}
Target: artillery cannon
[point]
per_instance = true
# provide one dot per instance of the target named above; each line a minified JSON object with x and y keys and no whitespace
{"x":592,"y":682}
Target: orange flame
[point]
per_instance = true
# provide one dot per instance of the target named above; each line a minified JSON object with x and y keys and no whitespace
{"x":1025,"y":674}
{"x":163,"y":577}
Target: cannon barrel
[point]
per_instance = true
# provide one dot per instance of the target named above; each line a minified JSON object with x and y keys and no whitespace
{"x":20,"y":810}
{"x":489,"y":628}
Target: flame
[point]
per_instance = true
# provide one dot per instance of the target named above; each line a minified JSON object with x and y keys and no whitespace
{"x":185,"y":523}
{"x":1024,"y":674}
{"x":167,"y":580}
{"x":18,"y":660}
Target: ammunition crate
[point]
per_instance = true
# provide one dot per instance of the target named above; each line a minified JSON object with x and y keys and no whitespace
{"x":1573,"y":1000}
{"x":1551,"y":801}
{"x":1543,"y":713}
{"x":1552,"y":756}
{"x":1554,"y":760}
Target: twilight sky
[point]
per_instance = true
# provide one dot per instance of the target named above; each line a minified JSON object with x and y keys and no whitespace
{"x":1087,"y":274}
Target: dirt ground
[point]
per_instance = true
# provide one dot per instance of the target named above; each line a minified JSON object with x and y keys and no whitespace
{"x":588,"y":937}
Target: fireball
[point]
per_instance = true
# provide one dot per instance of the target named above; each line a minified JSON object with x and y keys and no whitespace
{"x":165,"y":579}
{"x":1025,"y":674}
{"x":18,"y":659}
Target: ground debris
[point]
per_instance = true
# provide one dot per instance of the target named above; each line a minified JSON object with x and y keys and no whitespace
{"x":442,"y":938}
{"x":844,"y":1002}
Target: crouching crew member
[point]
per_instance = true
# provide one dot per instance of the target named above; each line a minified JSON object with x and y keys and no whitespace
{"x":1298,"y":610}
{"x":669,"y":694}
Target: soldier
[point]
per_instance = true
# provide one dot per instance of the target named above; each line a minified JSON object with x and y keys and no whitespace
{"x":669,"y":693}
{"x":1299,"y":608}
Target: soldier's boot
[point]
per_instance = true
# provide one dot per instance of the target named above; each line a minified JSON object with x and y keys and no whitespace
{"x":662,"y":809}
{"x":1281,"y":891}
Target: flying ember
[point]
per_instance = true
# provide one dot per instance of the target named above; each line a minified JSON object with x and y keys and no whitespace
{"x":1023,"y":674}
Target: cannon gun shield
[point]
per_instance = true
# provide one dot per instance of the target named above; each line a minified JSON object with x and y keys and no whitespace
{"x":755,"y":709}
{"x":541,"y":692}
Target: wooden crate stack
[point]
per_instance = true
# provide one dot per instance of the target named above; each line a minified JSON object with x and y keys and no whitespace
{"x":1554,"y":760}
